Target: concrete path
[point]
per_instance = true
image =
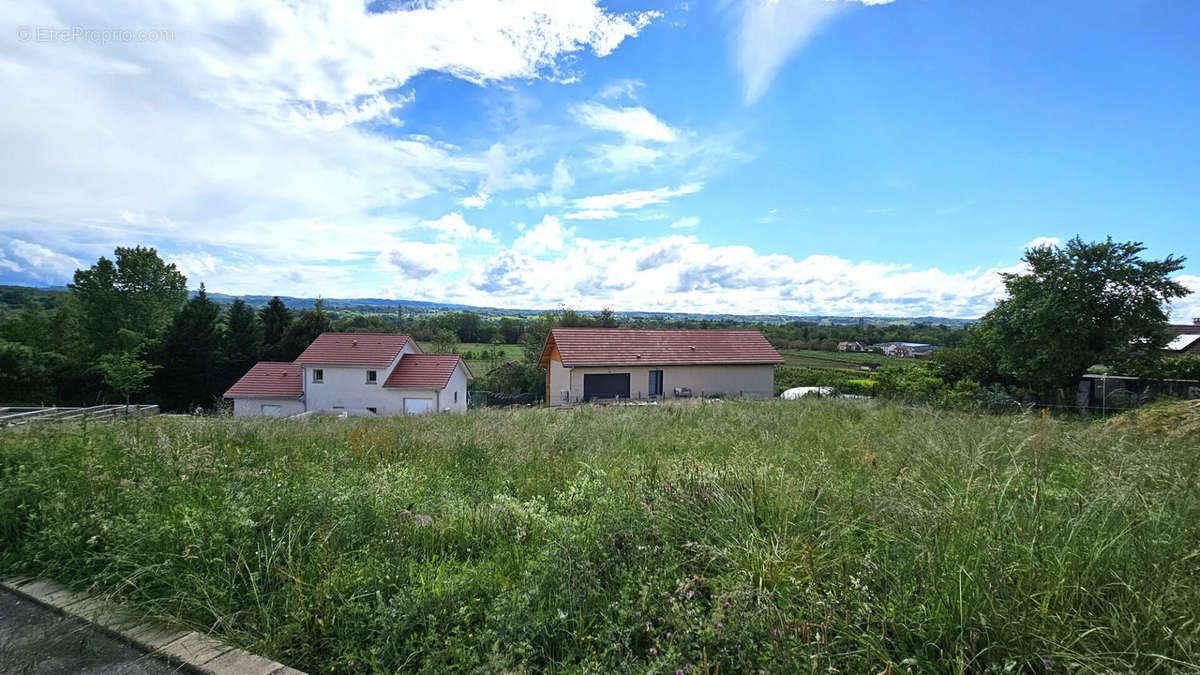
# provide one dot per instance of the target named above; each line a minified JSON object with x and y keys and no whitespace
{"x":35,"y":639}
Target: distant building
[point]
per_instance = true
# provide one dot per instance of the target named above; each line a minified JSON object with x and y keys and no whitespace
{"x":1185,"y":339}
{"x":907,"y":350}
{"x":851,"y":347}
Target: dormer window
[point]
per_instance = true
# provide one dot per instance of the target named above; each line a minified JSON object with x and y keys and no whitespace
{"x":370,"y":377}
{"x":318,"y":376}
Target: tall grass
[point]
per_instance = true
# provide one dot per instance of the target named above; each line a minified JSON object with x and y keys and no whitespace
{"x":783,"y":536}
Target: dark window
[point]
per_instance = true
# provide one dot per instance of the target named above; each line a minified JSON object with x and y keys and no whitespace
{"x":370,"y":377}
{"x":456,"y":397}
{"x":656,"y":383}
{"x":373,"y":411}
{"x":318,"y":375}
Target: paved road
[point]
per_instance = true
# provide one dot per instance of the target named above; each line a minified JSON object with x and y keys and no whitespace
{"x":35,"y":640}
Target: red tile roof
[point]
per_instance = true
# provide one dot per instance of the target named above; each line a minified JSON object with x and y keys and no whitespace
{"x":635,"y":346}
{"x":354,"y":349}
{"x":423,"y":371}
{"x":270,"y":378}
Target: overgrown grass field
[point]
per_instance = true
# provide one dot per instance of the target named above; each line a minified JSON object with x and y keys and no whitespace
{"x":797,"y":536}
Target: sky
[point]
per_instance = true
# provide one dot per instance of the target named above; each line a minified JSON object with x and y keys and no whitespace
{"x":850,"y":157}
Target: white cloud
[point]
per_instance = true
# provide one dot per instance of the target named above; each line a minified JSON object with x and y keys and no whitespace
{"x":623,"y":158}
{"x":239,"y":132}
{"x":621,"y":88}
{"x":635,"y":123}
{"x":1187,"y":308}
{"x":680,"y":273}
{"x":476,"y":201}
{"x":635,"y":199}
{"x":685,"y":223}
{"x":1042,"y":241}
{"x":592,"y":214}
{"x":560,"y":182}
{"x":453,"y":227}
{"x":417,"y":260}
{"x":771,"y":31}
{"x":39,"y":262}
{"x":548,"y":235}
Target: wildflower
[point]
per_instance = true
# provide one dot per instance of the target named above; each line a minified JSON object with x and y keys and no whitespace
{"x":670,"y":635}
{"x":648,"y":626}
{"x":660,"y":619}
{"x":726,"y":603}
{"x":775,"y":631}
{"x":691,"y":593}
{"x":653,"y":651}
{"x":719,"y":624}
{"x":679,"y":671}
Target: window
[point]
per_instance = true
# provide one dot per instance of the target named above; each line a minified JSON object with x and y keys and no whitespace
{"x":373,"y":411}
{"x":318,"y":375}
{"x":456,"y":397}
{"x":656,"y":383}
{"x":370,"y":377}
{"x":270,"y":409}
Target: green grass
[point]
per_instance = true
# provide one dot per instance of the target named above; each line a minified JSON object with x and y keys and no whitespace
{"x":479,"y":367}
{"x":811,"y":358}
{"x":796,"y":536}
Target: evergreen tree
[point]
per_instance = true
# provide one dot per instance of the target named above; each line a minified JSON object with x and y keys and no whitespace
{"x":276,"y":319}
{"x":241,"y":344}
{"x":189,"y":355}
{"x":300,"y":335}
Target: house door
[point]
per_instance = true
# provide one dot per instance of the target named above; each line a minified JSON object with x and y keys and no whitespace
{"x":614,"y":385}
{"x":656,"y":383}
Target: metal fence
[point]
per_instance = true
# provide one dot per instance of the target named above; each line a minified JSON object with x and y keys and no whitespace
{"x":16,"y":415}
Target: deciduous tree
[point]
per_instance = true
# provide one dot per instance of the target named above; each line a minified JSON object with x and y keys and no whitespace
{"x":138,"y":292}
{"x":1078,"y":305}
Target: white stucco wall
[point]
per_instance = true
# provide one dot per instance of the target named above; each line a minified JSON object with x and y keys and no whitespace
{"x":346,"y":387}
{"x":343,"y":387}
{"x":457,"y":385}
{"x":251,"y":406}
{"x":750,"y":381}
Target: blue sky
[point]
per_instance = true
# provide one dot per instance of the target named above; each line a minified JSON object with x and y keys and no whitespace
{"x":798,"y":156}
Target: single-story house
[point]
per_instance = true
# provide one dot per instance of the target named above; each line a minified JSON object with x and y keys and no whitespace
{"x":373,"y":373}
{"x":587,"y":364}
{"x":851,"y":347}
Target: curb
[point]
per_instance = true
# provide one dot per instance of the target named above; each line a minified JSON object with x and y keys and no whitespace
{"x":197,"y":652}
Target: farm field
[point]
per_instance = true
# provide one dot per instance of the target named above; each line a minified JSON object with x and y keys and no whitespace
{"x":479,"y":366}
{"x":811,"y":358}
{"x":783,"y":536}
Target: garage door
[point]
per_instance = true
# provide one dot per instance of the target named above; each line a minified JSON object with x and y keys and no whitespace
{"x":606,"y":386}
{"x":415,"y":406}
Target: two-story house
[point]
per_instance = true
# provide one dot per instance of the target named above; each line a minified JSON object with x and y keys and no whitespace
{"x":379,"y":373}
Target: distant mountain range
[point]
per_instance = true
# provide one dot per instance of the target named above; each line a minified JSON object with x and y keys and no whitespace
{"x":12,"y":297}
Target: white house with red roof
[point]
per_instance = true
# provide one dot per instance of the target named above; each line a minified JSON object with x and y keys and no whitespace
{"x":363,"y":373}
{"x":586,"y":364}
